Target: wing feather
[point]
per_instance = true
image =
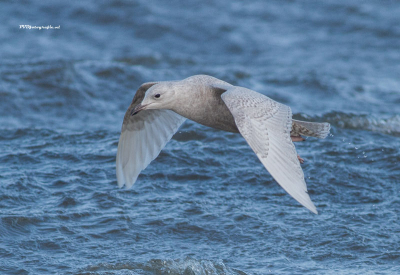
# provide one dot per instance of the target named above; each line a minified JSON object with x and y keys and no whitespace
{"x":142,"y":138}
{"x":266,"y":126}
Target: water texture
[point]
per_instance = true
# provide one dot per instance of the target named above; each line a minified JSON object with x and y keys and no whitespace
{"x":206,"y":205}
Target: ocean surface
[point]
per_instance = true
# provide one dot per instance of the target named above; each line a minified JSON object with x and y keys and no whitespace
{"x":206,"y":205}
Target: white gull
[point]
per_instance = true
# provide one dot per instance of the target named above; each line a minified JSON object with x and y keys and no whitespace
{"x":158,"y":109}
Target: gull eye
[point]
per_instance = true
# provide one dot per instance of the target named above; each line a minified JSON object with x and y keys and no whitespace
{"x":157,"y":95}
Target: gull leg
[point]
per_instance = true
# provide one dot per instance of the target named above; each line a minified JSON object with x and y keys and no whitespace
{"x":297,"y":138}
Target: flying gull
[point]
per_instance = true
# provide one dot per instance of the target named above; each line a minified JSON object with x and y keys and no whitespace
{"x":158,"y":109}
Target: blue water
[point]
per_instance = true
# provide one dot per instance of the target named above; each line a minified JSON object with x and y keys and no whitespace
{"x":206,"y":205}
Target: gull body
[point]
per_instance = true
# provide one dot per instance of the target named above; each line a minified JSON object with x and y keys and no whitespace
{"x":197,"y":98}
{"x":159,"y":108}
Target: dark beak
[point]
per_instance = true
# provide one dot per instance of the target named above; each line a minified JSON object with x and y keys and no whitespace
{"x":138,"y":108}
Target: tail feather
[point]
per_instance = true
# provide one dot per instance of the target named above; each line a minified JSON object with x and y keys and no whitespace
{"x":310,"y":129}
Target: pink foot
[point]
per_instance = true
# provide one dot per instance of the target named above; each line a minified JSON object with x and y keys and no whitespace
{"x":299,"y":138}
{"x":300,"y":159}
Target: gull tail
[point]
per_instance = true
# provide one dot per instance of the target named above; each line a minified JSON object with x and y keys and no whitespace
{"x":310,"y":129}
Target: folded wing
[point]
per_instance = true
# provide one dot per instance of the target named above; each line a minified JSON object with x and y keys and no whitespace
{"x":266,"y":126}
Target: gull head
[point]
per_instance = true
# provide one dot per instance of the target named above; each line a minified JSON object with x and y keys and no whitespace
{"x":159,"y":96}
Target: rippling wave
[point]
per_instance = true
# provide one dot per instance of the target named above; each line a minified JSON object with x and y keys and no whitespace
{"x":374,"y":123}
{"x":173,"y":267}
{"x":205,"y":205}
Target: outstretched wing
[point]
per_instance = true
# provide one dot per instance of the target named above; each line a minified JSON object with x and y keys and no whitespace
{"x":266,"y":126}
{"x":142,"y":138}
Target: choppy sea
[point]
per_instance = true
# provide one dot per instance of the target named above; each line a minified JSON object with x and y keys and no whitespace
{"x":206,"y":205}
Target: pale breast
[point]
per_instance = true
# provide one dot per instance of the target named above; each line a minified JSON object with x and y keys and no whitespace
{"x":218,"y":116}
{"x":208,"y":108}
